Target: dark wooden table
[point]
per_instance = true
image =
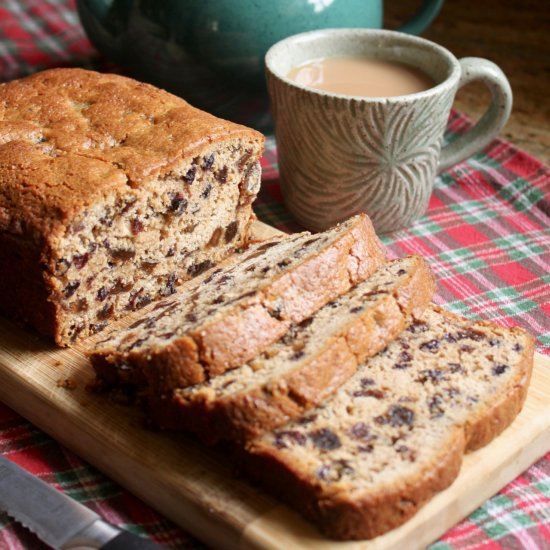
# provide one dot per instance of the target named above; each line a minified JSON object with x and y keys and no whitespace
{"x":516,"y":36}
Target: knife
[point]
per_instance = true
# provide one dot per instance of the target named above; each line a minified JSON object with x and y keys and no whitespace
{"x":57,"y":519}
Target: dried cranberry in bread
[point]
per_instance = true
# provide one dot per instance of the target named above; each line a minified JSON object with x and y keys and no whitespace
{"x":308,"y":364}
{"x":394,"y":434}
{"x":230,"y":314}
{"x":111,"y":193}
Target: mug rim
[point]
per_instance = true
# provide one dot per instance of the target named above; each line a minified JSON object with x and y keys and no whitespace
{"x":450,"y":80}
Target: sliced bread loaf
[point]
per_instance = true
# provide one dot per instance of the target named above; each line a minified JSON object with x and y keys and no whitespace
{"x":394,"y":434}
{"x":112,"y":193}
{"x":308,"y":364}
{"x":230,"y":314}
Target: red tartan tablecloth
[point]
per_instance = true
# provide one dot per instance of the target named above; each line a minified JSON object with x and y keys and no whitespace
{"x":486,"y":236}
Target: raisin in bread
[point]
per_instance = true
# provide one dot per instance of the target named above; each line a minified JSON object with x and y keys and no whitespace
{"x":230,"y":314}
{"x":394,"y":434}
{"x":308,"y":364}
{"x":112,"y":192}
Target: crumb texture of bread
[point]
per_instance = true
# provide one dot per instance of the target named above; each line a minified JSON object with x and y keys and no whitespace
{"x":395,"y":433}
{"x":231,"y":313}
{"x":313,"y":359}
{"x":113,"y":192}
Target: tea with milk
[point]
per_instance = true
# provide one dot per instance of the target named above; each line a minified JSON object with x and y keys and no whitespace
{"x":361,"y":76}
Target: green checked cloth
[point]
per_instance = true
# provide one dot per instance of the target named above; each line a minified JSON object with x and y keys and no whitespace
{"x":486,"y":236}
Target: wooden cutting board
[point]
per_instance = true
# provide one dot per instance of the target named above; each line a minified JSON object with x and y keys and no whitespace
{"x":196,"y":487}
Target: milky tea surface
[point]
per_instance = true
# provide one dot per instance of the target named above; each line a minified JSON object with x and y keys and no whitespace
{"x":361,"y":77}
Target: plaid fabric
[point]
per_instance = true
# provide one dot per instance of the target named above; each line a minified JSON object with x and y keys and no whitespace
{"x":486,"y":236}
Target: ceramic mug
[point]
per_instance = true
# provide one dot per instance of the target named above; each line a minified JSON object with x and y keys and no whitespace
{"x":211,"y":52}
{"x":340,"y":155}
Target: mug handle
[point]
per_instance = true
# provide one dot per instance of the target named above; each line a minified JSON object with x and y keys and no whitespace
{"x":423,"y":17}
{"x":494,"y":118}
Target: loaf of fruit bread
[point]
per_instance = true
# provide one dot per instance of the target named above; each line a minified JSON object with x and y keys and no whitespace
{"x":308,"y":364}
{"x":395,"y":433}
{"x":229,"y":314}
{"x":112,"y":192}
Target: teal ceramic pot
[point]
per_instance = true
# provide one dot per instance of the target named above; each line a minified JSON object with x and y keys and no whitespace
{"x":211,"y":52}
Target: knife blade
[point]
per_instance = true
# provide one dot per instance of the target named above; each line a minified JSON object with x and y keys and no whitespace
{"x":57,"y":519}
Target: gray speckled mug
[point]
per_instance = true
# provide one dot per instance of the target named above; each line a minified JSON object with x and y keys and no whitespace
{"x":340,"y":154}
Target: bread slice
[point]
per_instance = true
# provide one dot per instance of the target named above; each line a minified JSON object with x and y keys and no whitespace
{"x":395,"y":434}
{"x":112,"y":192}
{"x":308,"y":364}
{"x":231,"y":313}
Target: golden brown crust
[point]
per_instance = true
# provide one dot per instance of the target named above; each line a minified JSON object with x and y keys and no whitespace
{"x":248,"y":414}
{"x":243,"y":332}
{"x":346,"y":519}
{"x":25,"y":284}
{"x":506,"y":407}
{"x":355,"y":256}
{"x":69,"y":137}
{"x":343,"y":517}
{"x":245,"y":415}
{"x":212,"y":350}
{"x":250,"y":326}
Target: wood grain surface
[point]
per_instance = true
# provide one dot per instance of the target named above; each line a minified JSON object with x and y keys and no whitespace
{"x":516,"y":36}
{"x":196,"y":487}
